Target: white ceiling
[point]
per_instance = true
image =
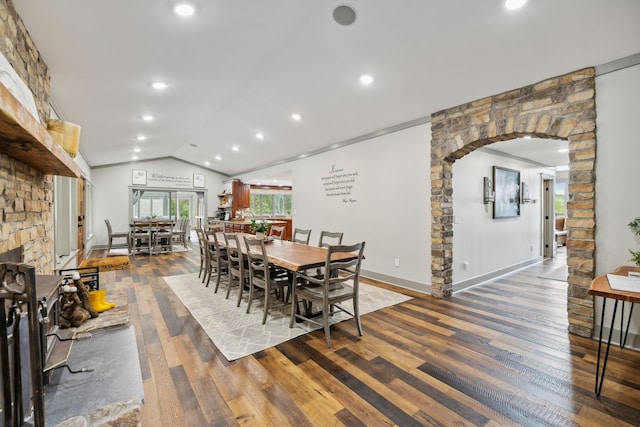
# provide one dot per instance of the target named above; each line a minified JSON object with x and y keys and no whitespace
{"x":240,"y":67}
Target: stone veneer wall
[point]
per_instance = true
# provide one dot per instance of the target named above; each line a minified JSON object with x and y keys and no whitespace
{"x":558,"y":108}
{"x":26,"y":195}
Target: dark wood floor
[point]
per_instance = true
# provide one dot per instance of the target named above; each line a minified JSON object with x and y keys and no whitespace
{"x":497,"y":354}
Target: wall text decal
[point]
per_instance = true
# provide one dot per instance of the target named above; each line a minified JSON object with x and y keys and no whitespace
{"x":339,"y":183}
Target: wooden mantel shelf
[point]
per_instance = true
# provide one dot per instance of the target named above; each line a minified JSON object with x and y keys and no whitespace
{"x":23,"y":138}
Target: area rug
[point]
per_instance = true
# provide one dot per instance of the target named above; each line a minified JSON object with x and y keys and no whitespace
{"x":115,"y":252}
{"x":560,"y":273}
{"x":108,"y":263}
{"x":238,"y":334}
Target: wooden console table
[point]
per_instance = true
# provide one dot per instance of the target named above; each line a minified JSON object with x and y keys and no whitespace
{"x":600,"y":287}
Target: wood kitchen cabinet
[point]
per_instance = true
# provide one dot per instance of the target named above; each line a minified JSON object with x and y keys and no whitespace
{"x":241,"y":195}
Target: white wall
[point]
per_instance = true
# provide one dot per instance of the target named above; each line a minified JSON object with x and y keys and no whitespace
{"x":617,"y":172}
{"x":491,"y":246}
{"x":389,"y":207}
{"x":112,"y":187}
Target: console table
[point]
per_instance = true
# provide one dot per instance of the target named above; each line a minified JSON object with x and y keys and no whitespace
{"x":600,"y":287}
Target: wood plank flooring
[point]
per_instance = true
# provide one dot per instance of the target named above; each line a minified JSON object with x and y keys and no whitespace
{"x":494,"y":355}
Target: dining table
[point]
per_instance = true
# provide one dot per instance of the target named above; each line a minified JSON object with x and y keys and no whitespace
{"x":292,"y":256}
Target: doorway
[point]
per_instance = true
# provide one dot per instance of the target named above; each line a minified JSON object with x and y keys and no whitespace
{"x":561,"y":107}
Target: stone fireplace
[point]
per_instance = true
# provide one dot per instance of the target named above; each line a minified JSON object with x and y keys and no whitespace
{"x":26,"y":193}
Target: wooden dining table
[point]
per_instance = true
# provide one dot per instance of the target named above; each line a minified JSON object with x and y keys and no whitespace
{"x":293,"y":256}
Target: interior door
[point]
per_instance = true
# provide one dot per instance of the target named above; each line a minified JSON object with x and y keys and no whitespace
{"x":548,"y":217}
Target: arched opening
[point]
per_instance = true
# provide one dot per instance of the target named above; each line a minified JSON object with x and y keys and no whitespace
{"x":558,"y":108}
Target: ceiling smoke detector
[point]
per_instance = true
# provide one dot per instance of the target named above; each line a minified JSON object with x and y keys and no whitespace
{"x":344,"y":15}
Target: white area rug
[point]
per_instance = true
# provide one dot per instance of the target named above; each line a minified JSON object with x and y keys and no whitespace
{"x":560,"y":273}
{"x":238,"y":334}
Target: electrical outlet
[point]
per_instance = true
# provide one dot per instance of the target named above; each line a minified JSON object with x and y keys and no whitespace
{"x":397,"y":262}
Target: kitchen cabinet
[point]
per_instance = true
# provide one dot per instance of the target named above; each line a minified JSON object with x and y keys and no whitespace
{"x":241,"y":195}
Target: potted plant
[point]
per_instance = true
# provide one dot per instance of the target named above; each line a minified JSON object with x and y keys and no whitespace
{"x":260,"y":228}
{"x":635,"y":227}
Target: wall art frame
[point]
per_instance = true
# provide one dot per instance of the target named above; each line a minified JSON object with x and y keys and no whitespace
{"x":507,"y":192}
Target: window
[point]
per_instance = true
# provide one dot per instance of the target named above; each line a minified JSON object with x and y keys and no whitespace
{"x":560,"y":199}
{"x":270,"y":202}
{"x":166,"y":204}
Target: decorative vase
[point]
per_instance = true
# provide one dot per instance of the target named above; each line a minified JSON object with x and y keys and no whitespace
{"x":260,"y":235}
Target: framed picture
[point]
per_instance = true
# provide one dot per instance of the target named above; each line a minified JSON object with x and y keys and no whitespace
{"x":198,"y":180}
{"x":507,"y":192}
{"x":139,"y":177}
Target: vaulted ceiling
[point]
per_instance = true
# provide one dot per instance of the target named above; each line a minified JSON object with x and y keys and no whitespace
{"x":238,"y":68}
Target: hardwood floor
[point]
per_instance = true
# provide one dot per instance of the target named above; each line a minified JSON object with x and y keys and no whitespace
{"x":496,"y":354}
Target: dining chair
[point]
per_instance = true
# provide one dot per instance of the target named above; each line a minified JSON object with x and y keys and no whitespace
{"x":301,"y":236}
{"x":162,"y":238}
{"x":276,"y":231}
{"x":141,"y":237}
{"x":179,"y":232}
{"x":116,"y":235}
{"x":238,"y":267}
{"x":340,"y":283}
{"x":260,"y":277}
{"x":202,"y":244}
{"x":218,"y":260}
{"x":328,"y":238}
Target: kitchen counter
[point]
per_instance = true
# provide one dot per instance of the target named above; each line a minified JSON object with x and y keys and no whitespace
{"x":242,"y":225}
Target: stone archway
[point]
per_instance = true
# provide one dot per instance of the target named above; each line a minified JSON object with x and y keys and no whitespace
{"x":558,"y":108}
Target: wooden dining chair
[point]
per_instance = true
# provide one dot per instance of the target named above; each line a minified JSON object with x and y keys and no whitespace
{"x":202,"y":244}
{"x":260,"y":277}
{"x":219,"y":260}
{"x":276,"y":231}
{"x":340,"y":283}
{"x":116,"y":235}
{"x":141,"y":237}
{"x":301,"y":236}
{"x":163,"y":238}
{"x":328,"y":238}
{"x":238,"y":267}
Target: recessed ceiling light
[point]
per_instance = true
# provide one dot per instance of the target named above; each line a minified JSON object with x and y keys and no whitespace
{"x":297,"y":117}
{"x":563,"y":150}
{"x":159,"y":85}
{"x":235,"y":148}
{"x":136,"y":150}
{"x":259,"y":136}
{"x":335,"y":146}
{"x":514,"y":4}
{"x":134,"y":157}
{"x":302,"y":156}
{"x":366,"y":79}
{"x":148,"y":118}
{"x":275,"y":181}
{"x":527,"y":137}
{"x":184,"y":9}
{"x":218,"y":158}
{"x":207,"y":163}
{"x":141,"y":137}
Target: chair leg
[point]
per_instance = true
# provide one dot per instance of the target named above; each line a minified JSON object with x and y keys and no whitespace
{"x":266,"y":304}
{"x":109,"y":245}
{"x":240,"y":290}
{"x":325,"y":323}
{"x":250,"y":296}
{"x":356,"y":314}
{"x":230,"y":285}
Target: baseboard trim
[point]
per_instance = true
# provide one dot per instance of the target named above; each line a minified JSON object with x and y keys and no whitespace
{"x":478,"y":280}
{"x":397,"y":281}
{"x":632,"y":343}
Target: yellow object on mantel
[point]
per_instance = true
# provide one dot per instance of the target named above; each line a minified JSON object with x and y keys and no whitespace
{"x":66,"y":134}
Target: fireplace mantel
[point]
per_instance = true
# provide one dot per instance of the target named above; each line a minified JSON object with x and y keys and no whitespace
{"x":23,"y":138}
